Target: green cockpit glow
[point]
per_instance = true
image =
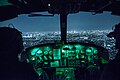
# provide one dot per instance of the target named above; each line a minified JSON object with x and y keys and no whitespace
{"x":39,"y":52}
{"x":34,"y":51}
{"x":4,"y":2}
{"x":82,"y":56}
{"x":89,"y":58}
{"x":82,"y":51}
{"x":46,"y":52}
{"x":83,"y":61}
{"x":95,"y":51}
{"x":64,"y":55}
{"x":47,"y":48}
{"x":67,"y":47}
{"x":89,"y":50}
{"x":104,"y":61}
{"x":79,"y":46}
{"x":59,"y":73}
{"x":33,"y":58}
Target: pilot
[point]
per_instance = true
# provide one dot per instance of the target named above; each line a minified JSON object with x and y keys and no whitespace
{"x":112,"y":70}
{"x":10,"y":67}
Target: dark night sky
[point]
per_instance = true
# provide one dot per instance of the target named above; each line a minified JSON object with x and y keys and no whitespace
{"x":79,"y":21}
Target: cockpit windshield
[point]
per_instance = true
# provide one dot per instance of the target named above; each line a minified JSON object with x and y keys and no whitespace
{"x":64,"y":37}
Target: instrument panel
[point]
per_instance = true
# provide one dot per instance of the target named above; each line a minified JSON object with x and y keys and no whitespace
{"x":66,"y":55}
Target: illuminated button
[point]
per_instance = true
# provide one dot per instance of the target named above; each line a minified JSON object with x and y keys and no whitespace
{"x":82,"y":56}
{"x":33,"y":58}
{"x":77,"y":56}
{"x":83,"y":61}
{"x":45,"y":62}
{"x":88,"y":50}
{"x":45,"y":52}
{"x":50,"y":53}
{"x":33,"y":52}
{"x":54,"y":64}
{"x":50,"y":57}
{"x":39,"y":52}
{"x":45,"y":58}
{"x":89,"y":58}
{"x":49,"y":5}
{"x":39,"y":59}
{"x":95,"y":51}
{"x":59,"y":73}
{"x":63,"y":51}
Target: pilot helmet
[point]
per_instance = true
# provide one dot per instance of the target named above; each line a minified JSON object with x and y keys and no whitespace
{"x":11,"y":40}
